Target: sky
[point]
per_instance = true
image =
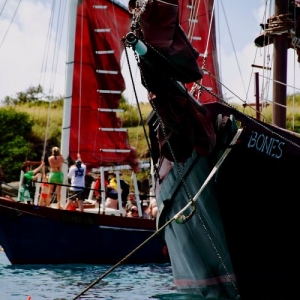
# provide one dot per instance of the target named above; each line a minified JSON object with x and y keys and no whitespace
{"x":23,"y":37}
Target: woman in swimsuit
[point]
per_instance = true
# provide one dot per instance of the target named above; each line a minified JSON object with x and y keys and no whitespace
{"x":56,"y":175}
{"x":44,"y":199}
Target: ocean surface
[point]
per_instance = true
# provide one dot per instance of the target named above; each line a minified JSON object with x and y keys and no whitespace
{"x":65,"y":282}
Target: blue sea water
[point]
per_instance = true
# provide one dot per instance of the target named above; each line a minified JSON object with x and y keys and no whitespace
{"x":65,"y":282}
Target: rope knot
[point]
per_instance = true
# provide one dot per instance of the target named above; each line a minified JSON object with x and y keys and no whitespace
{"x":181,"y":218}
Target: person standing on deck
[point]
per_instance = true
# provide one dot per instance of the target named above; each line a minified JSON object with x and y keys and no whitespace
{"x":153,"y":209}
{"x":26,"y":191}
{"x":112,"y":181}
{"x":77,"y":191}
{"x":131,"y":201}
{"x":97,"y":186}
{"x":133,"y":213}
{"x":44,"y":199}
{"x":124,"y":191}
{"x":124,"y":187}
{"x":112,"y":189}
{"x":56,"y":175}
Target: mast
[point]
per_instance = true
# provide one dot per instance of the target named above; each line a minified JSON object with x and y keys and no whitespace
{"x":65,"y":134}
{"x":280,"y":69}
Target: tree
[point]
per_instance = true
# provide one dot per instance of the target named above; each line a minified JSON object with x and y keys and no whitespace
{"x":15,"y":148}
{"x":33,"y":95}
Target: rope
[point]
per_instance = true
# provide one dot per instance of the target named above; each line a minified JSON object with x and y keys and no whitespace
{"x":21,"y":212}
{"x":136,"y":97}
{"x":176,"y":217}
{"x":60,"y":184}
{"x":11,"y":22}
{"x":124,"y":259}
{"x":51,"y":55}
{"x":181,"y":218}
{"x":80,"y":81}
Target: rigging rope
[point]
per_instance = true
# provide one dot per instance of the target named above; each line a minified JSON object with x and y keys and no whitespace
{"x":135,"y":93}
{"x":177,"y":217}
{"x":80,"y":80}
{"x":57,"y":28}
{"x":10,"y":21}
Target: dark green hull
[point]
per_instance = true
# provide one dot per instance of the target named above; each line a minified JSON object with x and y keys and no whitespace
{"x":240,"y":242}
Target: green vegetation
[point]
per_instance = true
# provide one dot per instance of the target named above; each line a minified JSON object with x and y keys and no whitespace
{"x":26,"y":121}
{"x":16,"y":133}
{"x":292,"y":113}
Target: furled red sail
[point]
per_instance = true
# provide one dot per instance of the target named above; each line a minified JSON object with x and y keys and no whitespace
{"x":170,"y":58}
{"x":97,"y":84}
{"x":198,"y":23}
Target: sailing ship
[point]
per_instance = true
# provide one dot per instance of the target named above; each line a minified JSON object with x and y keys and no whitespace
{"x":226,"y":181}
{"x":32,"y":234}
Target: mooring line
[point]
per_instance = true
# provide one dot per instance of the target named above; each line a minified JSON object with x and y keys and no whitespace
{"x":124,"y":259}
{"x":174,"y":218}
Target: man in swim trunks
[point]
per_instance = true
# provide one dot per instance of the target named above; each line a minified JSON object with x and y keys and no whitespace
{"x":56,"y":175}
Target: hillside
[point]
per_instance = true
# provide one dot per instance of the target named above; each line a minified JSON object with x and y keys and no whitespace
{"x":47,"y":124}
{"x":45,"y":118}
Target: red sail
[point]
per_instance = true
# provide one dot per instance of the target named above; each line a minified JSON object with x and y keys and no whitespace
{"x":195,"y":19}
{"x":97,"y":84}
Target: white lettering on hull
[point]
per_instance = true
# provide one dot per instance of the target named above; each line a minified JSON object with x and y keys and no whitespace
{"x":266,"y":144}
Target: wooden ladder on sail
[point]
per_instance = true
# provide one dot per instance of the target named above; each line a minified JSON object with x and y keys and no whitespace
{"x":116,"y":169}
{"x":117,"y":110}
{"x":193,"y":22}
{"x":101,"y":91}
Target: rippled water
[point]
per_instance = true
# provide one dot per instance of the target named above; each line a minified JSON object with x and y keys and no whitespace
{"x":58,"y":282}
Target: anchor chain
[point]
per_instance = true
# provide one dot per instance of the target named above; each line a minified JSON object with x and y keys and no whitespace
{"x":180,"y":218}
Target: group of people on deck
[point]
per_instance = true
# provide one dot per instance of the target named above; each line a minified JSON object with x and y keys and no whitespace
{"x":129,"y":204}
{"x":132,"y":211}
{"x":111,"y":191}
{"x":77,"y":191}
{"x":55,"y":178}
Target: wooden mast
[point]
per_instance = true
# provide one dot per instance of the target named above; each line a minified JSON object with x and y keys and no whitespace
{"x":280,"y":69}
